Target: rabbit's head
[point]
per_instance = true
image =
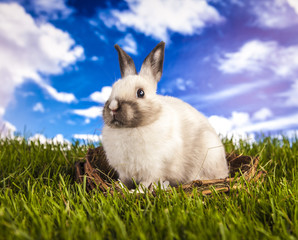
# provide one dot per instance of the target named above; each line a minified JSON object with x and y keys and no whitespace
{"x":133,"y":101}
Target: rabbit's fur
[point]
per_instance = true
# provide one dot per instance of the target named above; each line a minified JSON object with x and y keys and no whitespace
{"x":151,"y":138}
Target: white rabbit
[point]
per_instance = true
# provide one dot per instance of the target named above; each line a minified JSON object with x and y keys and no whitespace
{"x":149,"y":137}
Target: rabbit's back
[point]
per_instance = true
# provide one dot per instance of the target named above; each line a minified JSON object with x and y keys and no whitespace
{"x":202,"y":154}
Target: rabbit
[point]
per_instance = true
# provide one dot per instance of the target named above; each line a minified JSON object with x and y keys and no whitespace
{"x":149,"y":138}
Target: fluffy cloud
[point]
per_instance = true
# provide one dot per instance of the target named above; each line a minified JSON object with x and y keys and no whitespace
{"x":229,"y":92}
{"x":87,"y":121}
{"x":38,"y":138}
{"x":58,"y":96}
{"x":95,"y":111}
{"x":257,"y":56}
{"x":275,"y":13}
{"x":233,"y":91}
{"x":98,"y":59}
{"x":94,"y":58}
{"x":2,"y":111}
{"x":44,"y":9}
{"x":241,"y":124}
{"x":58,"y":139}
{"x":53,"y":9}
{"x":38,"y":107}
{"x":29,"y":49}
{"x":262,"y":114}
{"x":158,"y":18}
{"x":177,"y":84}
{"x":88,"y":137}
{"x":129,"y":44}
{"x":291,"y":95}
{"x":277,"y":124}
{"x":183,"y":84}
{"x":6,"y":129}
{"x":229,"y":126}
{"x":92,"y":112}
{"x":294,"y":5}
{"x":102,"y":96}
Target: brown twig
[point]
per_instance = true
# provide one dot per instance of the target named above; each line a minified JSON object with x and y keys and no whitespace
{"x":100,"y":175}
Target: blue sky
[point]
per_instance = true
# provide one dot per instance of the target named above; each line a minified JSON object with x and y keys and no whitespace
{"x":235,"y":61}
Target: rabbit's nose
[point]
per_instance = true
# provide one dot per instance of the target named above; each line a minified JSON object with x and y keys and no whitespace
{"x":114,"y":106}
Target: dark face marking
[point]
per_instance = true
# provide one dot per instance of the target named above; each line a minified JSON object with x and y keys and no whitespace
{"x":130,"y":114}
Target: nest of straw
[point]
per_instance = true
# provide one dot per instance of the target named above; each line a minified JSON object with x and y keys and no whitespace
{"x":97,"y":174}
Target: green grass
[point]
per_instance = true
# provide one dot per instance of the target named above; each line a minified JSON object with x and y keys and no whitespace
{"x":40,"y":200}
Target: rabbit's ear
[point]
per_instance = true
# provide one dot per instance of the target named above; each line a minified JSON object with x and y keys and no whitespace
{"x":153,"y":63}
{"x":127,"y":66}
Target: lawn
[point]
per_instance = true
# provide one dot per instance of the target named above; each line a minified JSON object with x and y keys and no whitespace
{"x":39,"y":199}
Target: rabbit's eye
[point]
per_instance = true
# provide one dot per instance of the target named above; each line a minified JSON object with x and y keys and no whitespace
{"x":140,"y":93}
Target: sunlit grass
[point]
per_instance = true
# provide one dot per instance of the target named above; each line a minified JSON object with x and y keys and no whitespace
{"x":39,"y":199}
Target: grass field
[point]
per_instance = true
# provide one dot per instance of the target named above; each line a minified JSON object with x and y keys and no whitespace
{"x":40,"y":200}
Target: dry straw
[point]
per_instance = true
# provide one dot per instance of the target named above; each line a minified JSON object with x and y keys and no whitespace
{"x":98,"y":174}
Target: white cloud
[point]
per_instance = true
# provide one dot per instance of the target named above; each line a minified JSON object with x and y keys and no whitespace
{"x":276,"y":124}
{"x":262,"y":114}
{"x":94,"y":58}
{"x":29,"y":49}
{"x":95,"y":111}
{"x":102,"y":96}
{"x":158,"y":18}
{"x":6,"y":129}
{"x":38,"y":137}
{"x":38,"y":107}
{"x":183,"y":84}
{"x":45,"y":10}
{"x":291,"y":95}
{"x":221,"y":125}
{"x":294,"y":5}
{"x":92,"y":112}
{"x":291,"y":134}
{"x":227,"y":126}
{"x":128,"y":43}
{"x":58,"y":96}
{"x":58,"y":139}
{"x":101,"y":37}
{"x":240,"y":119}
{"x":53,"y":9}
{"x":177,"y":84}
{"x":2,"y":111}
{"x":99,"y":59}
{"x":276,"y":14}
{"x":241,"y":124}
{"x":257,"y":56}
{"x":88,"y":137}
{"x":238,"y":89}
{"x":247,"y":58}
